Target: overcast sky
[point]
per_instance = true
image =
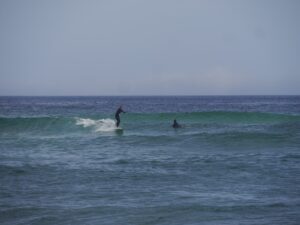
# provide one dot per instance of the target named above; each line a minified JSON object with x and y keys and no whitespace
{"x":163,"y":47}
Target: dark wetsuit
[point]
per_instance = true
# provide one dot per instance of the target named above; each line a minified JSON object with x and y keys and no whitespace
{"x":117,"y":116}
{"x":175,"y":124}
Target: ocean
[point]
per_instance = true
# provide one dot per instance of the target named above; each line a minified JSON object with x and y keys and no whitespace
{"x":236,"y":160}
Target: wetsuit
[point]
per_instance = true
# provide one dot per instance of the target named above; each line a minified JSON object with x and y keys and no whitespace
{"x":175,"y":124}
{"x":117,"y":116}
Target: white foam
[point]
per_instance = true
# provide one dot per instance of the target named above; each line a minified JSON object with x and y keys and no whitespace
{"x":102,"y":125}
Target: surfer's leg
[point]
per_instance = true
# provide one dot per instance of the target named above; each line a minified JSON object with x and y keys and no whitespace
{"x":118,"y":121}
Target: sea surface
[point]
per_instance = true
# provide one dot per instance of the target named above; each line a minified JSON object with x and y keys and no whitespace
{"x":236,"y":160}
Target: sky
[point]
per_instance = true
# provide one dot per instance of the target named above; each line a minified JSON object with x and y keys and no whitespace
{"x":153,"y":47}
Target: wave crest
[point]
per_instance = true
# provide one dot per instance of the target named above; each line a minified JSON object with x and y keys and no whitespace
{"x":102,"y":125}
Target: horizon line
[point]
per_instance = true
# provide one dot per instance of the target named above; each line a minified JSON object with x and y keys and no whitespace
{"x":167,"y":95}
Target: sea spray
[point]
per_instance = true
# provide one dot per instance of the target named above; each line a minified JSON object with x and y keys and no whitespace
{"x":102,"y":125}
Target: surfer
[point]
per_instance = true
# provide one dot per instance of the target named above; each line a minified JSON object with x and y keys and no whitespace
{"x":175,"y":124}
{"x":117,"y":115}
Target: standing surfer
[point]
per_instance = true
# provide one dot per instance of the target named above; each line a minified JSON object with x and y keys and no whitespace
{"x":117,"y":115}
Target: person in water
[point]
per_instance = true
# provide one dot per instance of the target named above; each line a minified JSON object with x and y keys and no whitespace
{"x":175,"y":124}
{"x":117,"y":115}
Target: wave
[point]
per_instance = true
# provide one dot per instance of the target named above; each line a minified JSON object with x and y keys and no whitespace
{"x":28,"y":124}
{"x":102,"y":125}
{"x":215,"y":117}
{"x":150,"y":121}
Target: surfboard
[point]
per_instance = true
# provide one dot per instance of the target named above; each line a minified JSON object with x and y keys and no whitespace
{"x":119,"y":130}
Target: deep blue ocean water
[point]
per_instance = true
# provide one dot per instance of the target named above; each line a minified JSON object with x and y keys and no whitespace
{"x":236,"y":160}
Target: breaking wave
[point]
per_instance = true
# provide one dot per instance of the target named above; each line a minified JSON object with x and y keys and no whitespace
{"x":102,"y":125}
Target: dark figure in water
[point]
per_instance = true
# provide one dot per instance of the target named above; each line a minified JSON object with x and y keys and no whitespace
{"x":117,"y":115}
{"x":175,"y":124}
